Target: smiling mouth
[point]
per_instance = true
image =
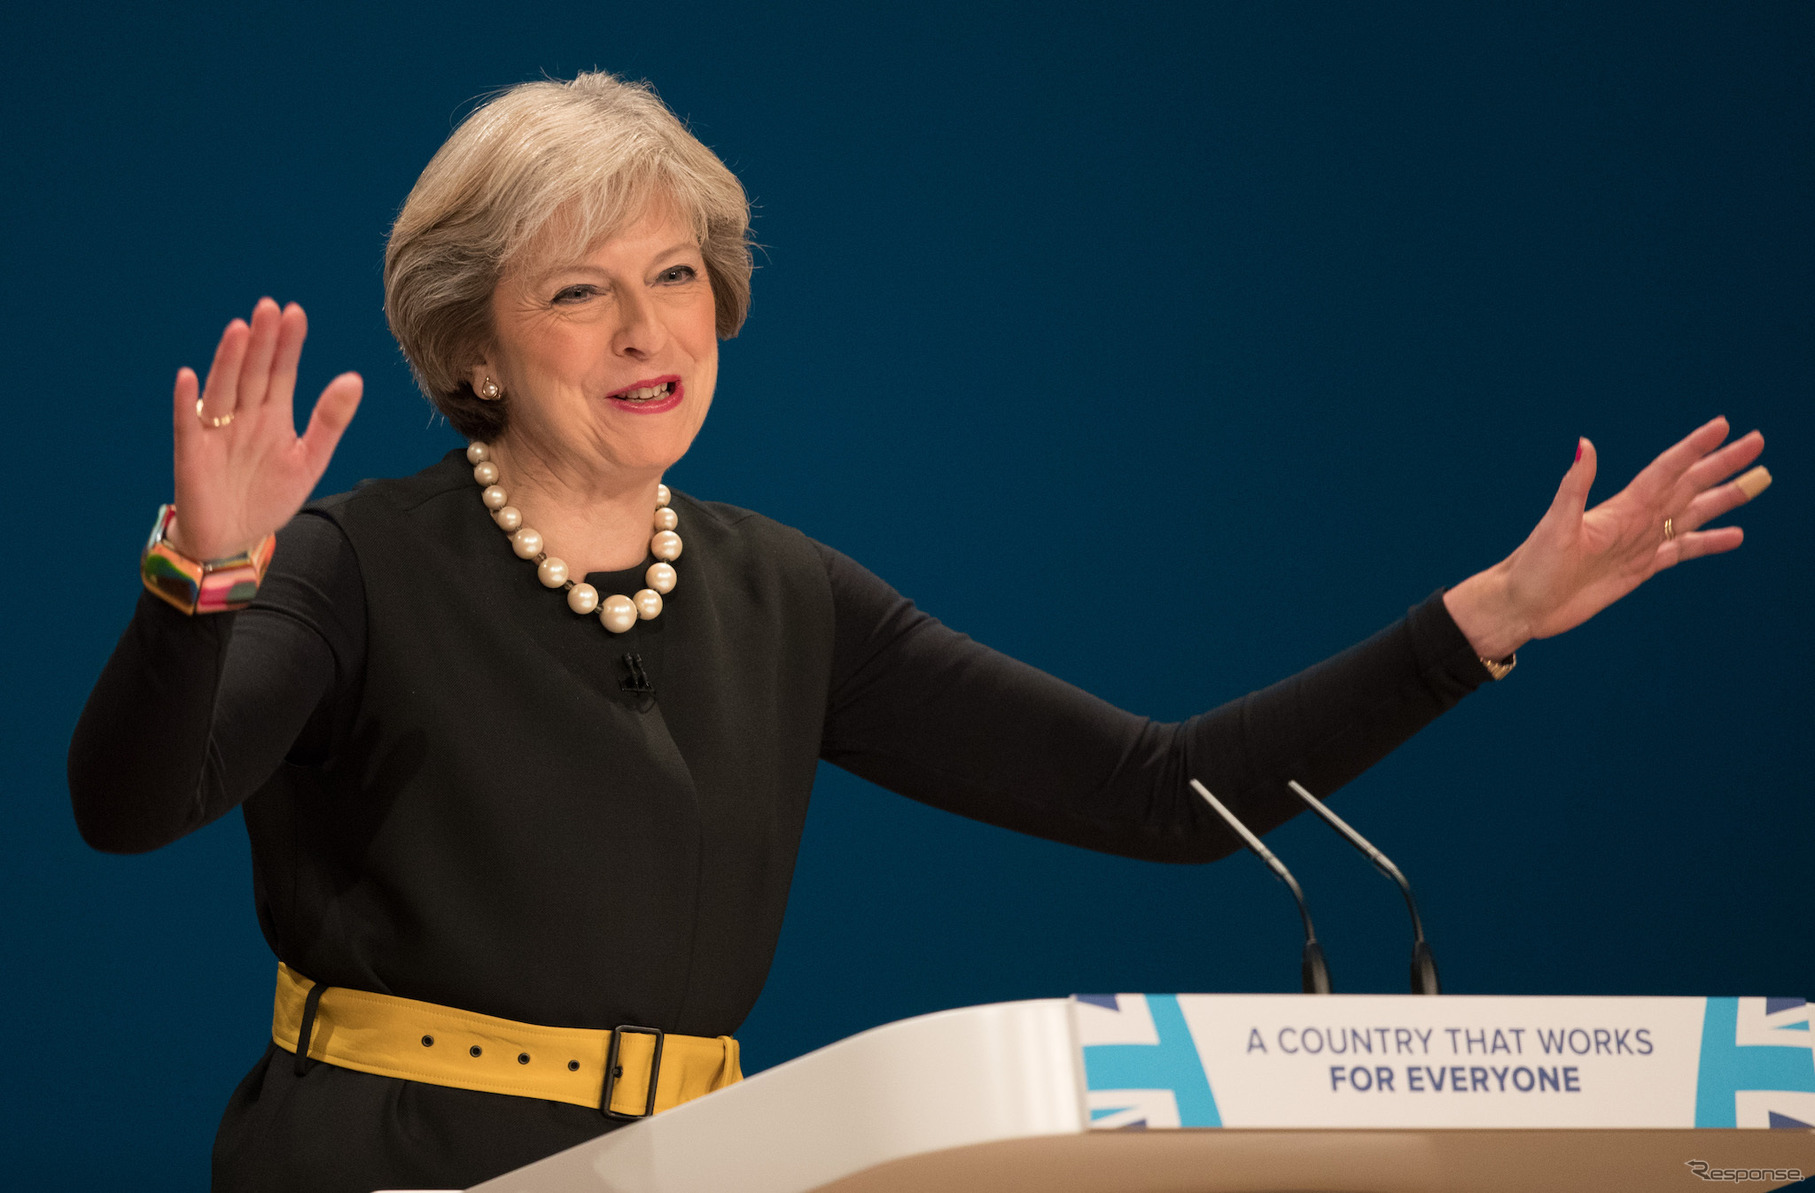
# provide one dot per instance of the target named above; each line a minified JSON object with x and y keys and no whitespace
{"x":643,"y":394}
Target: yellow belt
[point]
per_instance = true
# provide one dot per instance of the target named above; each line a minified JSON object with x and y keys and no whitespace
{"x":420,"y":1041}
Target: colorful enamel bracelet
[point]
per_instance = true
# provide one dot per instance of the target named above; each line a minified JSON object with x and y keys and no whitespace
{"x":206,"y":586}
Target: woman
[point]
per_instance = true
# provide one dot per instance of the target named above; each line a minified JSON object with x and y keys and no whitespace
{"x":518,"y":770}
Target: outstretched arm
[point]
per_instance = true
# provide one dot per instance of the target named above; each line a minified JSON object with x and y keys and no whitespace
{"x":191,"y":714}
{"x":931,"y":714}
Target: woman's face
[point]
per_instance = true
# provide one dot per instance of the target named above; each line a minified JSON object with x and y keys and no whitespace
{"x":608,"y":359}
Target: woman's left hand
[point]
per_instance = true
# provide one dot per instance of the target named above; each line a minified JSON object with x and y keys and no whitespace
{"x":1578,"y":561}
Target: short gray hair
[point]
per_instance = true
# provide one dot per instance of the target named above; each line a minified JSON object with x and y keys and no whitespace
{"x":594,"y":151}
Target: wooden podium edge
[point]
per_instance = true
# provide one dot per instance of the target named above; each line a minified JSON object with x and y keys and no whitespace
{"x":991,"y":1098}
{"x":1261,"y":1160}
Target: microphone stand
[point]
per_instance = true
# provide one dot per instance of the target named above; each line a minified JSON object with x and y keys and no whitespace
{"x":1313,"y":973}
{"x":1424,"y":966}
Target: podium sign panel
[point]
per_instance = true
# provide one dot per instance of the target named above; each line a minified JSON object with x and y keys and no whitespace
{"x":1249,"y":1094}
{"x":1349,"y":1061}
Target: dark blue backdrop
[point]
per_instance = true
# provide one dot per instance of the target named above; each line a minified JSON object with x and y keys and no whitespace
{"x":1168,"y":349}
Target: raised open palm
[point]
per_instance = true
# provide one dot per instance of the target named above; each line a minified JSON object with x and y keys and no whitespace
{"x":242,"y":471}
{"x":1588,"y":559}
{"x":1577,"y":561}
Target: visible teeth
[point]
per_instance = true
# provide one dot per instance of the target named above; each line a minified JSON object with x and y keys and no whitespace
{"x":646,"y":392}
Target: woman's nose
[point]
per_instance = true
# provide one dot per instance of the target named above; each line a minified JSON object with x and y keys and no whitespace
{"x":640,"y":332}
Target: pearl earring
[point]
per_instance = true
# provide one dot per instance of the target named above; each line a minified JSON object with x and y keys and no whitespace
{"x":489,"y":390}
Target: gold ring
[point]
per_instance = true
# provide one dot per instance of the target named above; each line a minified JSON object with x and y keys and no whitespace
{"x":1669,"y":531}
{"x":211,"y":423}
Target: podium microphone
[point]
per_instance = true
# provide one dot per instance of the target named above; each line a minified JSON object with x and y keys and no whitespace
{"x":1424,"y":966}
{"x":1314,"y":974}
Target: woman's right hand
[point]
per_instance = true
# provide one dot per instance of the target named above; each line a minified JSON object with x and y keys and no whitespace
{"x":239,"y":482}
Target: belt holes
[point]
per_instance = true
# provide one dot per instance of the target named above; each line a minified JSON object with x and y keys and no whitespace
{"x":618,"y":1071}
{"x":573,"y":1066}
{"x":475,"y":1050}
{"x":522,"y":1058}
{"x":428,"y":1041}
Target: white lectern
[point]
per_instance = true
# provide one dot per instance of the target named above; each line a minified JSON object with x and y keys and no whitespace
{"x":1207,"y":1093}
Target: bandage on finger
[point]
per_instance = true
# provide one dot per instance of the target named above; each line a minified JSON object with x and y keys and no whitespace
{"x":1753,"y":481}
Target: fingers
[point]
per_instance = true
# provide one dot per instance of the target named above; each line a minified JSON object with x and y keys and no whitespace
{"x":1572,"y":494}
{"x":1709,"y":505}
{"x":184,"y":395}
{"x":1661,"y":475}
{"x":255,"y":362}
{"x":1717,"y":466}
{"x":221,"y":394}
{"x":333,"y":411}
{"x":255,"y":369}
{"x":190,"y":437}
{"x":292,"y":330}
{"x":1753,"y":481}
{"x":1697,"y":544}
{"x":183,"y":420}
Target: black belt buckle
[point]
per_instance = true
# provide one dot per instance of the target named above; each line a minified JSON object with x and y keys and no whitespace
{"x":612,"y":1072}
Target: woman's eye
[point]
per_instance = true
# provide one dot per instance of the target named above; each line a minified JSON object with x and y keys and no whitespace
{"x":574,"y":294}
{"x":680,"y":273}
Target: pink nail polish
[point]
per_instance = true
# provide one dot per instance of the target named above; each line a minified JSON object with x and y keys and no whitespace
{"x":1578,"y":451}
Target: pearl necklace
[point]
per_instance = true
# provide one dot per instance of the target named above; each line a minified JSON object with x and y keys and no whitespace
{"x":616,"y":613}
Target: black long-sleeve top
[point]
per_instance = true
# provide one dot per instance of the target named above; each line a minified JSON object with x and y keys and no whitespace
{"x":453,"y":795}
